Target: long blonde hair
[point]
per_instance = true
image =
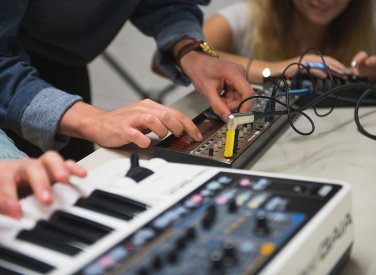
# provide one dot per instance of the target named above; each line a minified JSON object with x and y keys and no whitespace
{"x":273,"y":24}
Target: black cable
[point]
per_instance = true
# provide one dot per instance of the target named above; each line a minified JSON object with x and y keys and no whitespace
{"x":331,"y":93}
{"x":356,"y":115}
{"x":292,"y":110}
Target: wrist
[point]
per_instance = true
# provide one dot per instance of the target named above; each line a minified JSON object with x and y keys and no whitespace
{"x":80,"y":121}
{"x":186,"y":47}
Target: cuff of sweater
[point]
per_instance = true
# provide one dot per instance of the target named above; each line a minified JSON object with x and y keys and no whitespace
{"x":40,"y":120}
{"x":166,"y":40}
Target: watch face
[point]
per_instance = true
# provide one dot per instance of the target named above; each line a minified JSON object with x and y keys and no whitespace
{"x":206,"y":48}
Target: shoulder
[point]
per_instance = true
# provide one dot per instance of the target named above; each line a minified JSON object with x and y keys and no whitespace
{"x":239,"y":18}
{"x":237,"y":15}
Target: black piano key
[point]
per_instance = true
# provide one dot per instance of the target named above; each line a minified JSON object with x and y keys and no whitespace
{"x":45,"y":226}
{"x":23,"y":261}
{"x":79,"y":226}
{"x":5,"y":271}
{"x":51,"y":240}
{"x":112,"y":204}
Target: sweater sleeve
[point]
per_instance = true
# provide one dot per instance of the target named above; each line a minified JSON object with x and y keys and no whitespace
{"x":169,"y":21}
{"x":9,"y":151}
{"x":22,"y":92}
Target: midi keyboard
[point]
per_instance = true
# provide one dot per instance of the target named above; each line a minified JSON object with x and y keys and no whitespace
{"x":181,"y":219}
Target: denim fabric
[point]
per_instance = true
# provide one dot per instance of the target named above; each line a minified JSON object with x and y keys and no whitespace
{"x":75,"y":32}
{"x":8,"y":150}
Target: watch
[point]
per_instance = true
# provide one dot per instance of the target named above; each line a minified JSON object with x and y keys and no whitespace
{"x":196,"y":45}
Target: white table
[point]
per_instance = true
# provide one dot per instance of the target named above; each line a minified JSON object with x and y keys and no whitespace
{"x":336,"y":150}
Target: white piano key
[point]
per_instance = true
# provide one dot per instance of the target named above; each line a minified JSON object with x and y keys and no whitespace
{"x":17,"y":268}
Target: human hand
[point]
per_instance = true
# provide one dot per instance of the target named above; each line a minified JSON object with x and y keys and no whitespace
{"x":127,"y":124}
{"x":364,"y":65}
{"x":211,"y":76}
{"x":38,"y":173}
{"x":278,"y":67}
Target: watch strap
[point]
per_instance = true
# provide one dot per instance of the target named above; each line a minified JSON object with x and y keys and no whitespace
{"x":195,"y":45}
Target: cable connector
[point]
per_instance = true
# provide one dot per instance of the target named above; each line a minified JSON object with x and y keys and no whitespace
{"x":233,"y":121}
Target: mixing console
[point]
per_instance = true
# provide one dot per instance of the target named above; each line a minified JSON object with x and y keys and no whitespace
{"x":252,"y":138}
{"x":181,"y":219}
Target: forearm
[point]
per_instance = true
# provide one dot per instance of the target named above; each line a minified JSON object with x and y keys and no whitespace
{"x":254,"y":67}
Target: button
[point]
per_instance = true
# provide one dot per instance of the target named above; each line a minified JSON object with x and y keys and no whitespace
{"x":267,"y":248}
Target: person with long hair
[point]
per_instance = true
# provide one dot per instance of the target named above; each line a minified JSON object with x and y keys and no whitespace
{"x":272,"y":34}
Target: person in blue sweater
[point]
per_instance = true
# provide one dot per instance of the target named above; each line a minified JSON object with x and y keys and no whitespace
{"x":45,"y":46}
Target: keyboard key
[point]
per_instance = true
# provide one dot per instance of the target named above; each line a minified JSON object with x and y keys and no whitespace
{"x":112,"y":204}
{"x":22,"y":260}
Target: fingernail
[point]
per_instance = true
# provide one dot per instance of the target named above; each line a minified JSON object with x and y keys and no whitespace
{"x":199,"y":136}
{"x":45,"y":196}
{"x":224,"y":117}
{"x":353,"y":63}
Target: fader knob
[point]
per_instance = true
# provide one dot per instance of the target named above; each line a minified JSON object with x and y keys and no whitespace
{"x":230,"y":253}
{"x":216,"y":257}
{"x":261,"y":224}
{"x":232,"y":206}
{"x":209,"y":217}
{"x":190,"y":234}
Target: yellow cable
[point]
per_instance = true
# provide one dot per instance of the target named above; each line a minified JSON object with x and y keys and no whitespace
{"x":230,"y":141}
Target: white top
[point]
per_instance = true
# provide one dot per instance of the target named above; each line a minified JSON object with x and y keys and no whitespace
{"x":238,"y":16}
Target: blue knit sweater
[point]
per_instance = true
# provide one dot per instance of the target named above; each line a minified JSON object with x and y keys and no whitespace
{"x":75,"y":32}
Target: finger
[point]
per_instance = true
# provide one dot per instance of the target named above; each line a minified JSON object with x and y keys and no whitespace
{"x":75,"y":169}
{"x":319,"y":73}
{"x":55,"y":166}
{"x":158,"y":123}
{"x":189,"y":127}
{"x":9,"y":204}
{"x":359,"y":58}
{"x":34,"y":173}
{"x":135,"y":136}
{"x":334,"y":64}
{"x":217,"y":103}
{"x":371,"y":61}
{"x":238,"y":97}
{"x":172,"y":119}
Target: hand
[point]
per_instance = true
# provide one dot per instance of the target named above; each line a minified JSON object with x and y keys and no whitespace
{"x":364,"y":65}
{"x":333,"y":64}
{"x":39,"y":173}
{"x":127,"y":124}
{"x":211,"y":76}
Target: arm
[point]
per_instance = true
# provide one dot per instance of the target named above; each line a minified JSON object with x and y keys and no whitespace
{"x":219,"y":34}
{"x":38,"y":173}
{"x":178,"y":25}
{"x":25,"y":99}
{"x":125,"y":125}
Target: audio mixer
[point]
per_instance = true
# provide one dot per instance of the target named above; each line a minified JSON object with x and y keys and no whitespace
{"x":171,"y":218}
{"x":252,"y":137}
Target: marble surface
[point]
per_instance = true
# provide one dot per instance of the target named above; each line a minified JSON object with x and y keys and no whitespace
{"x":336,"y":150}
